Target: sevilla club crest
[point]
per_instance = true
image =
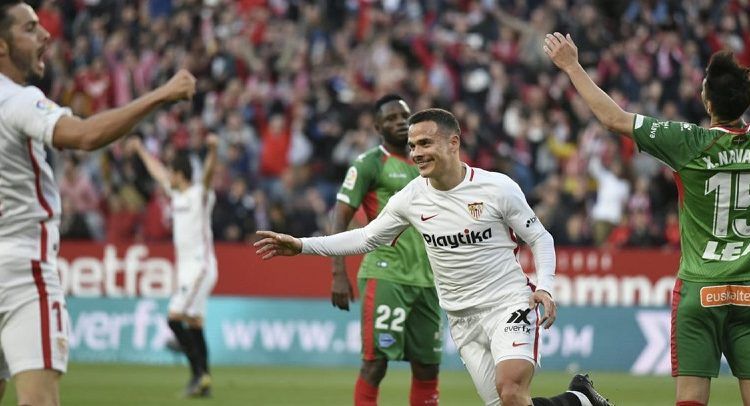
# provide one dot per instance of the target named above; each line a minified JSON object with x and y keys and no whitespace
{"x":475,"y":209}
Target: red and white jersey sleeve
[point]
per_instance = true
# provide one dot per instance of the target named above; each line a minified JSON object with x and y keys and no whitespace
{"x":29,"y":198}
{"x":470,"y":237}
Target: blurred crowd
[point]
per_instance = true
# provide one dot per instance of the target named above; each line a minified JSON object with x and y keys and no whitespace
{"x":288,"y":85}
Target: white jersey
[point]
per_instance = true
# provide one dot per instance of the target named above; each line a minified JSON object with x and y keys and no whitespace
{"x":191,"y":232}
{"x":29,"y":197}
{"x":469,"y":233}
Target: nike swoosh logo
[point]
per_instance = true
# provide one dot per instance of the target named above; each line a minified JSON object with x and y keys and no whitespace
{"x":425,"y":218}
{"x":515,"y":344}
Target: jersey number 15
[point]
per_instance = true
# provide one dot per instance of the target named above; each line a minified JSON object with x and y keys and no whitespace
{"x":722,"y":184}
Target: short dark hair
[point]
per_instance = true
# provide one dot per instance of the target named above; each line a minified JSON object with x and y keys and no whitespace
{"x":6,"y":20}
{"x":727,"y":86}
{"x":385,"y":100}
{"x":444,"y":119}
{"x":181,"y":163}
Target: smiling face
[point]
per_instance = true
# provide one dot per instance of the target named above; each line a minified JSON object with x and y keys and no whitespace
{"x":432,"y":151}
{"x":23,"y":45}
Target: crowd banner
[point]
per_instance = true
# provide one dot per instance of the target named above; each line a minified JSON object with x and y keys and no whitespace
{"x":613,"y":305}
{"x":257,"y":331}
{"x":584,"y":276}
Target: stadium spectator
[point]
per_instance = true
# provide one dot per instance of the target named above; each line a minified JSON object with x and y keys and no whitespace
{"x":77,"y":188}
{"x":612,"y":194}
{"x":236,"y":210}
{"x":35,"y":347}
{"x":713,"y":279}
{"x":321,"y":67}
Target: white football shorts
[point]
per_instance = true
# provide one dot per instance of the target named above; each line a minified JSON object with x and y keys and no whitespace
{"x":195,"y":283}
{"x":34,"y":332}
{"x":484,"y":337}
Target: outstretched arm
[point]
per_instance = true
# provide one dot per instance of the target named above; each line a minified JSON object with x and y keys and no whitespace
{"x":103,"y":128}
{"x":276,"y":244}
{"x":381,"y":231}
{"x":154,"y":167}
{"x":209,"y":163}
{"x":564,"y":53}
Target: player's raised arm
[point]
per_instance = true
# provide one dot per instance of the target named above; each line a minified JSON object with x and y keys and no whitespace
{"x":103,"y":128}
{"x":154,"y":167}
{"x":209,"y":163}
{"x":564,"y":53}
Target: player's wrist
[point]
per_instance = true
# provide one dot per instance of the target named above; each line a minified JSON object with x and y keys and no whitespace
{"x":543,"y":290}
{"x":573,"y":68}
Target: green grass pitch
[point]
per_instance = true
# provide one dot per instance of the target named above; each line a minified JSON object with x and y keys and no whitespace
{"x":116,"y":384}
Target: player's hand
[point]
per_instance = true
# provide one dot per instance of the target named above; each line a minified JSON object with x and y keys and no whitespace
{"x":561,"y":50}
{"x":275,"y":244}
{"x":341,"y":291}
{"x":180,"y":87}
{"x":550,"y":308}
{"x":212,"y":140}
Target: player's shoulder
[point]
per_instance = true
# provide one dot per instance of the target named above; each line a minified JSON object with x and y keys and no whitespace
{"x":197,"y":190}
{"x":487,"y":178}
{"x":22,"y":96}
{"x":415,"y":186}
{"x":652,"y":127}
{"x":374,"y":155}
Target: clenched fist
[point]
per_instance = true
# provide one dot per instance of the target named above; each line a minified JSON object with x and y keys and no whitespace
{"x":180,"y":87}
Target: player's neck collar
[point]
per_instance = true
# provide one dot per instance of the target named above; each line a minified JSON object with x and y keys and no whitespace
{"x":468,"y":176}
{"x":735,"y":127}
{"x":389,"y":154}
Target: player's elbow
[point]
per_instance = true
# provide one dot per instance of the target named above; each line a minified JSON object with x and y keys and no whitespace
{"x":87,"y":143}
{"x":618,"y":122}
{"x":72,"y":132}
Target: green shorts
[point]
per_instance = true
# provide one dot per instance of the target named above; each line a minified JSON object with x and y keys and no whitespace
{"x":710,"y":319}
{"x":400,"y":322}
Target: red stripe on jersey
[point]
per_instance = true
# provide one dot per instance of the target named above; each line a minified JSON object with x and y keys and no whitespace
{"x":41,"y":289}
{"x":370,"y":205}
{"x":368,"y":316}
{"x":680,"y":188}
{"x":393,"y":244}
{"x":471,"y":177}
{"x":513,"y":238}
{"x":531,"y":285}
{"x":536,"y":336}
{"x":673,"y":337}
{"x":737,"y":131}
{"x":41,"y":199}
{"x":194,"y":291}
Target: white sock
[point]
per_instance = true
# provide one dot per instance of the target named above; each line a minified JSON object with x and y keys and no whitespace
{"x":584,"y":400}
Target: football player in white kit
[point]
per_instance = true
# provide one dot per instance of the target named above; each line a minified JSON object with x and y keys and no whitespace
{"x":33,"y":316}
{"x":469,"y":219}
{"x":192,"y":205}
